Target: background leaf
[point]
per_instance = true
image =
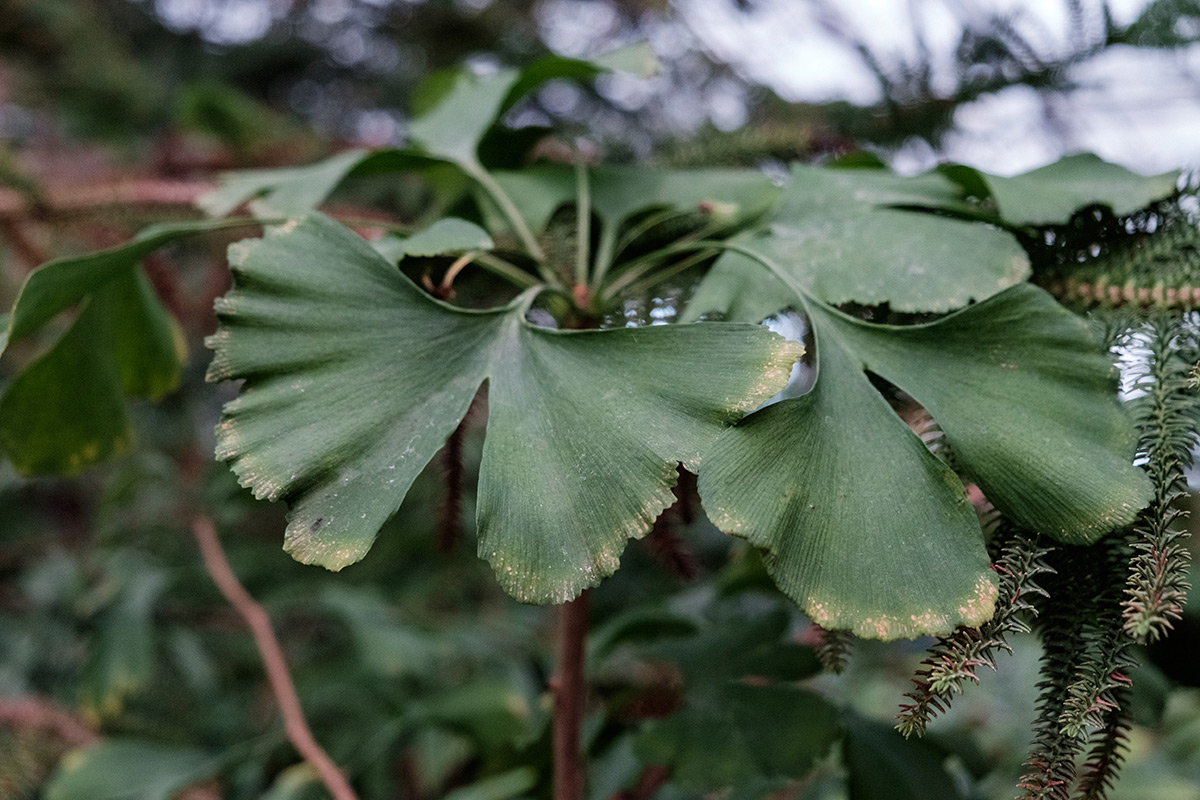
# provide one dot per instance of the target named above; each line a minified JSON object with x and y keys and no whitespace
{"x":65,"y":411}
{"x":1051,"y":194}
{"x":883,"y":765}
{"x":128,"y":769}
{"x":740,"y":722}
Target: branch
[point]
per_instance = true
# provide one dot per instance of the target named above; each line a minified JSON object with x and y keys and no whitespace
{"x":569,"y":700}
{"x":60,"y":202}
{"x":31,"y":712}
{"x":280,"y":678}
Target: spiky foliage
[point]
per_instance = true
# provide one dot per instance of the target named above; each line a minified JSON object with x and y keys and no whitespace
{"x":1107,"y":751}
{"x":1124,"y":590}
{"x":833,"y":649}
{"x":953,"y":660}
{"x":1168,"y":415}
{"x":1147,"y":260}
{"x":1064,"y":615}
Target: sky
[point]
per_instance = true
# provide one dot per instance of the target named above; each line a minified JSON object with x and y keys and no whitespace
{"x":1134,"y":106}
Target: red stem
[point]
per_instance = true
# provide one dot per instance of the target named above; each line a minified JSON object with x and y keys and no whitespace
{"x":570,"y":695}
{"x":294,"y":723}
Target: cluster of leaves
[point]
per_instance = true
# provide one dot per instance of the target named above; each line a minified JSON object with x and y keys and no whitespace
{"x":354,"y":377}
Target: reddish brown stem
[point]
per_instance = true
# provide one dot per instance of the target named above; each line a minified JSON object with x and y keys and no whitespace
{"x":294,"y":723}
{"x":650,"y":781}
{"x":570,"y":695}
{"x":450,"y":518}
{"x":30,"y":712}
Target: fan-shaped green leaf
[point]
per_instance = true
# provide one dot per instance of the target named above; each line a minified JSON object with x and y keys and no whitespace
{"x":448,"y":235}
{"x":453,"y":128}
{"x":354,"y":378}
{"x":1052,"y":193}
{"x":65,"y":410}
{"x":862,"y":526}
{"x":58,"y":285}
{"x":841,"y":237}
{"x":1028,"y":404}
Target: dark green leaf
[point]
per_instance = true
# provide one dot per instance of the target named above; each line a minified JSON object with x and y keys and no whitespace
{"x":385,"y":646}
{"x":447,"y":235}
{"x":1028,"y":404}
{"x":839,"y":235}
{"x":500,"y":787}
{"x":354,"y":378}
{"x":883,"y":765}
{"x":127,"y":769}
{"x":1051,"y":194}
{"x":65,"y":410}
{"x":493,"y":712}
{"x":738,"y":724}
{"x":121,"y":653}
{"x":731,"y":734}
{"x":58,"y":285}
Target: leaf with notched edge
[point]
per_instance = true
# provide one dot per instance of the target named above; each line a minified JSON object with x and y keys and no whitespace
{"x":354,"y":378}
{"x":868,"y":531}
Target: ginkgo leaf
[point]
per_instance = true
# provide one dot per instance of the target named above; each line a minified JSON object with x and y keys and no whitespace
{"x":453,"y":128}
{"x":65,"y":411}
{"x":450,"y":130}
{"x":282,"y":191}
{"x":354,"y":378}
{"x":1028,"y":403}
{"x":1051,"y":194}
{"x":862,"y":526}
{"x":447,"y":235}
{"x":859,"y":523}
{"x":618,"y":192}
{"x":850,"y":236}
{"x":58,"y":285}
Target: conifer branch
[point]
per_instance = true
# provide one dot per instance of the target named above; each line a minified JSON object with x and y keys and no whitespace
{"x":1084,"y":663}
{"x":1168,"y":415}
{"x":1102,"y":673}
{"x":833,"y":649}
{"x":953,"y":660}
{"x":1104,"y":758}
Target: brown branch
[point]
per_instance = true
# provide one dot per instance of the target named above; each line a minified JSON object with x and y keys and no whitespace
{"x":449,"y":529}
{"x":648,"y":783}
{"x":32,"y":712}
{"x":23,"y":241}
{"x":61,"y":202}
{"x":570,"y":695}
{"x":294,"y":723}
